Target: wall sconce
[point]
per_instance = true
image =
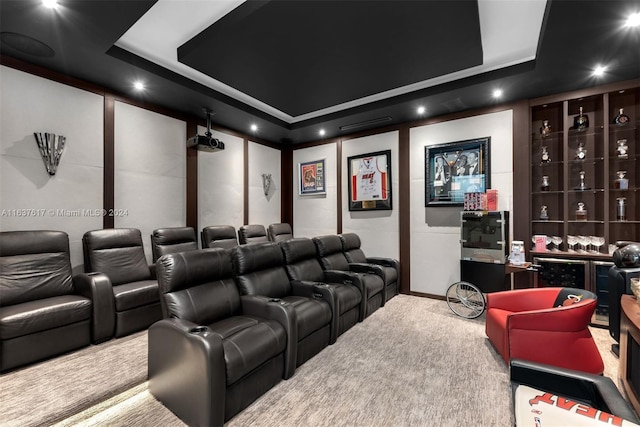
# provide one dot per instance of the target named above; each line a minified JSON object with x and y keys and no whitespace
{"x":51,"y":148}
{"x":266,"y":183}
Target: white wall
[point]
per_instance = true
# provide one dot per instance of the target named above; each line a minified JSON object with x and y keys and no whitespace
{"x":150,"y":171}
{"x":221,"y":183}
{"x":263,"y":209}
{"x":68,"y":200}
{"x":435,"y":231}
{"x":379,"y":231}
{"x":315,"y":215}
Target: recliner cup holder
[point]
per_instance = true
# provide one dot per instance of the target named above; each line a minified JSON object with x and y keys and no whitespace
{"x":275,"y":300}
{"x":198,"y":330}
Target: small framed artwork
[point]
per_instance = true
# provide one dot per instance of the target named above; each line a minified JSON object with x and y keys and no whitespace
{"x":311,"y":178}
{"x":455,"y":168}
{"x":370,"y":181}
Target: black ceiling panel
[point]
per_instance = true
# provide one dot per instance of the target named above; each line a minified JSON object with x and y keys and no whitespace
{"x":303,"y":56}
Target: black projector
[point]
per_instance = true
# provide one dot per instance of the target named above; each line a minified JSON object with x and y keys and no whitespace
{"x":205,"y":143}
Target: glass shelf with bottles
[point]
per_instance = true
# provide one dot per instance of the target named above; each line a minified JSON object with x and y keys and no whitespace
{"x":585,"y":180}
{"x":547,"y":213}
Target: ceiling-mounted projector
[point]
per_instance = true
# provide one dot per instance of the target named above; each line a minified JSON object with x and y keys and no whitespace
{"x":206,"y":142}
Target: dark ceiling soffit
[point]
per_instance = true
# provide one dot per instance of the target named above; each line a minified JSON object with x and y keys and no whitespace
{"x":422,"y":93}
{"x":139,"y":62}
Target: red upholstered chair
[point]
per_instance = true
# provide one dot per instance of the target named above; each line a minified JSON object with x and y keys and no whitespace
{"x":544,"y":325}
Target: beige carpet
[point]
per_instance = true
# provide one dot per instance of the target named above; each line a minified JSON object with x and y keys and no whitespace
{"x":412,"y":363}
{"x":47,"y":392}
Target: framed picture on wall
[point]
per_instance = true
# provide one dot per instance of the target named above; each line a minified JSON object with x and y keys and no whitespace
{"x":455,"y":168}
{"x":370,"y":181}
{"x":311,"y":178}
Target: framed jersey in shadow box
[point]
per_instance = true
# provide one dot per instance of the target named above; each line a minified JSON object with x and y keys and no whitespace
{"x":370,"y":181}
{"x":456,"y":168}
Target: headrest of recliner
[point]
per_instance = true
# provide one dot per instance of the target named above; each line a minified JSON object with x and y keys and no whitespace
{"x":298,"y":249}
{"x":256,"y":257}
{"x":189,"y":269}
{"x":327,"y":245}
{"x":350,"y":241}
{"x":174,"y":235}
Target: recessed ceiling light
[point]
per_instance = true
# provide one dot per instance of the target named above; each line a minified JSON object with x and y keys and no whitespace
{"x":50,"y":3}
{"x":254,"y":127}
{"x":138,"y":85}
{"x":599,"y":70}
{"x":321,"y":132}
{"x":633,"y":20}
{"x":497,"y":93}
{"x":421,"y":110}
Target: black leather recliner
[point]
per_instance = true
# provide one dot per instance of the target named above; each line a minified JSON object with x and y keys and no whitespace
{"x":303,"y":265}
{"x":627,"y":266}
{"x":329,"y":250}
{"x":389,"y":269}
{"x":260,"y":271}
{"x":210,"y":356}
{"x":173,"y":240}
{"x":44,"y":311}
{"x":279,"y":232}
{"x":219,"y":236}
{"x":253,"y":233}
{"x":119,"y":254}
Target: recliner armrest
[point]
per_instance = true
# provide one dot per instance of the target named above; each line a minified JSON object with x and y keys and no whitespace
{"x":186,"y":369}
{"x":361,"y":267}
{"x":386,"y":262}
{"x":599,"y":391}
{"x":98,"y":288}
{"x":282,"y":312}
{"x":343,"y":277}
{"x":321,"y":291}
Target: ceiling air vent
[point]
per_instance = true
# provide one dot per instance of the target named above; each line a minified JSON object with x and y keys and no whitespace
{"x":366,"y":123}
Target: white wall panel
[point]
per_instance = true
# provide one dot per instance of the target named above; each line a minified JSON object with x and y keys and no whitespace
{"x":150,"y":171}
{"x":435,"y":231}
{"x":379,"y":231}
{"x":67,"y":201}
{"x":263,"y":209}
{"x":315,"y":215}
{"x":221,"y":183}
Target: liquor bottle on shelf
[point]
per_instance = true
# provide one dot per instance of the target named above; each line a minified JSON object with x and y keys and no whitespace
{"x":545,"y":130}
{"x":581,"y":152}
{"x":621,"y":183}
{"x":622,"y":149}
{"x":621,"y":209}
{"x":581,"y":121}
{"x":544,"y":186}
{"x":582,"y":186}
{"x":621,"y":119}
{"x":581,"y":212}
{"x":544,"y":213}
{"x":545,"y":156}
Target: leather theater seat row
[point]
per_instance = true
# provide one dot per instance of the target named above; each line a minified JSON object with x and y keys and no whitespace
{"x":224,"y":236}
{"x":45,"y":310}
{"x":238,"y":320}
